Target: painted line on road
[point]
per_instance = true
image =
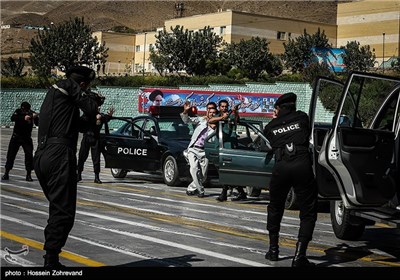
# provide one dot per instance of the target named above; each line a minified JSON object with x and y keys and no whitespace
{"x":107,"y":246}
{"x":39,"y":246}
{"x":183,"y":247}
{"x":380,"y":259}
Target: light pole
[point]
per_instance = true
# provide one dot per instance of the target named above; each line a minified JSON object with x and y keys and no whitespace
{"x":144,"y":52}
{"x":383,"y":52}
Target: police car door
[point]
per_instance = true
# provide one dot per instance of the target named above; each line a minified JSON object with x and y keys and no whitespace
{"x":127,"y":147}
{"x":241,"y":161}
{"x":321,"y":122}
{"x":357,"y":152}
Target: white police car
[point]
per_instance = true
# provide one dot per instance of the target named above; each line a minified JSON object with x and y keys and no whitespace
{"x":153,"y":142}
{"x":356,"y":155}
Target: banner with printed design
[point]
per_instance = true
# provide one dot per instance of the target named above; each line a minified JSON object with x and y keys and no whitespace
{"x":251,"y":104}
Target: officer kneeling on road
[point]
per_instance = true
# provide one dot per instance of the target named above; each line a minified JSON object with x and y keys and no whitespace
{"x":289,"y":134}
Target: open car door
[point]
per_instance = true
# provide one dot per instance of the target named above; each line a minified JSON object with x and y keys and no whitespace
{"x":321,"y":122}
{"x":243,"y":156}
{"x":359,"y":149}
{"x":129,"y":147}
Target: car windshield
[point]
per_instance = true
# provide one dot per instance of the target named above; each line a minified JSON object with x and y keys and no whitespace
{"x":174,"y":128}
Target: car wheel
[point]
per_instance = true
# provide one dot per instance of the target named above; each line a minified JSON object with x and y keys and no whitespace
{"x":118,"y":173}
{"x":291,"y":203}
{"x":344,"y":225}
{"x":254,"y":192}
{"x":170,"y":172}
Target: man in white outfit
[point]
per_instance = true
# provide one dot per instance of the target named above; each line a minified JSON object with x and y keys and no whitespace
{"x":195,"y":152}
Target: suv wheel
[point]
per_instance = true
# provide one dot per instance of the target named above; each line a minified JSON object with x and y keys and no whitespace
{"x":170,"y":172}
{"x":344,"y":225}
{"x":118,"y":173}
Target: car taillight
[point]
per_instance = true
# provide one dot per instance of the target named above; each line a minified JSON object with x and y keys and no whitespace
{"x":193,"y":110}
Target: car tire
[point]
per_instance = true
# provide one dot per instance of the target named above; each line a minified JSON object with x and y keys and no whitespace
{"x":291,"y":200}
{"x":118,"y":173}
{"x":170,"y":172}
{"x":253,"y":192}
{"x":344,"y":225}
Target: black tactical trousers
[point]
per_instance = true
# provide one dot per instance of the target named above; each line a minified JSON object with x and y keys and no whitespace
{"x":84,"y":153}
{"x":296,"y":173}
{"x":13,"y":147}
{"x":55,"y":168}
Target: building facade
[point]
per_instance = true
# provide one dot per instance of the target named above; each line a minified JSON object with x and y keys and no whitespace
{"x":373,"y":23}
{"x":370,"y":22}
{"x":121,"y":53}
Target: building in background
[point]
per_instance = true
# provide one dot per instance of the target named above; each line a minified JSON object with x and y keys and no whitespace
{"x":121,"y":53}
{"x":234,"y":26}
{"x":373,"y":23}
{"x":369,"y":22}
{"x":144,"y":42}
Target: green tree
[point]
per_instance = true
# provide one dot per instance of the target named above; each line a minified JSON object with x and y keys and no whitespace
{"x":65,"y":45}
{"x":11,"y":68}
{"x":298,"y":51}
{"x":173,"y":48}
{"x":204,"y":46}
{"x":181,"y":50}
{"x":160,"y":62}
{"x":252,"y":57}
{"x":315,"y":69}
{"x":356,"y":57}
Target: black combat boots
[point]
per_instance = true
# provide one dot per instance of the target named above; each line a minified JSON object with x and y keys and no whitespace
{"x":5,"y":176}
{"x":273,"y":252}
{"x":97,"y":178}
{"x":51,"y":261}
{"x":28,"y":176}
{"x":241,"y":196}
{"x":224,"y":194}
{"x":300,"y":259}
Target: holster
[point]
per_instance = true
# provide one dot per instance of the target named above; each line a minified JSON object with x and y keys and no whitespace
{"x":290,"y":150}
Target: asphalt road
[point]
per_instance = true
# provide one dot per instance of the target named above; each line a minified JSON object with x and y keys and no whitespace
{"x":140,"y":222}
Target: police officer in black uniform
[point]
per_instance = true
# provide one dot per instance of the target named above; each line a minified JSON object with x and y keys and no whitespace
{"x":91,"y":142}
{"x":289,"y":134}
{"x":55,"y":158}
{"x":24,"y":119}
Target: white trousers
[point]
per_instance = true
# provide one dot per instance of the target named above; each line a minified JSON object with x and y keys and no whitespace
{"x":198,"y":169}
